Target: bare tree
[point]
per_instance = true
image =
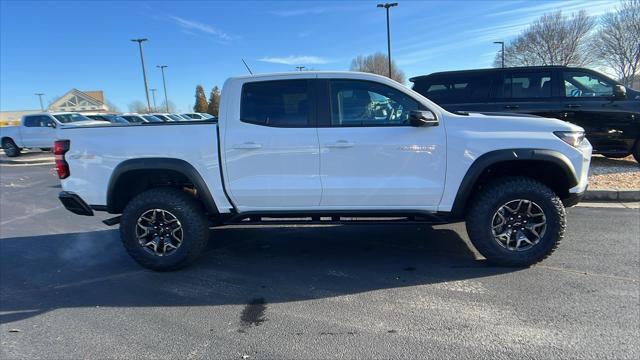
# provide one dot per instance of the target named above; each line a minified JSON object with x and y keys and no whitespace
{"x":617,"y":42}
{"x":111,"y":106}
{"x":553,"y":39}
{"x":377,"y":63}
{"x":137,"y":107}
{"x":172,"y":106}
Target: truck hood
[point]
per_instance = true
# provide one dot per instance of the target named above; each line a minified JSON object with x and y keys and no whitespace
{"x":84,"y":123}
{"x":522,"y":122}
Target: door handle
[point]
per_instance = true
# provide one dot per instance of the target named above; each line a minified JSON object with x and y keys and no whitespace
{"x":247,"y":145}
{"x":511,"y":107}
{"x":340,"y":144}
{"x":574,"y":106}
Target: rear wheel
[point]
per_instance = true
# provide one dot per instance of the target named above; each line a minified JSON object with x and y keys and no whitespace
{"x":164,"y":229}
{"x":10,"y":148}
{"x":516,"y":221}
{"x":636,"y":151}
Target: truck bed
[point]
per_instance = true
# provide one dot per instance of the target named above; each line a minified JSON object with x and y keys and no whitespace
{"x":96,"y":151}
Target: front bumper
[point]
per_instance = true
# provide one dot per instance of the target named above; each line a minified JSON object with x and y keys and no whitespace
{"x":74,"y":203}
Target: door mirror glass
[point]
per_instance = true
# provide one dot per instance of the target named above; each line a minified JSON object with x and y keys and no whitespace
{"x":620,"y":92}
{"x":51,"y":124}
{"x":423,"y":118}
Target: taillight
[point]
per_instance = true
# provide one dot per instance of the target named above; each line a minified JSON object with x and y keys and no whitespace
{"x":60,"y":147}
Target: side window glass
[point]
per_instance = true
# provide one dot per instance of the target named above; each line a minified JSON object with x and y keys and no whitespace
{"x":31,"y":121}
{"x":365,"y":103}
{"x":582,"y":84}
{"x":456,"y":88}
{"x":519,"y":85}
{"x":283,"y":103}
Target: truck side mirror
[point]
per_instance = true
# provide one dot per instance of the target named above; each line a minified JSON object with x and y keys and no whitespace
{"x":619,"y":92}
{"x":423,"y":118}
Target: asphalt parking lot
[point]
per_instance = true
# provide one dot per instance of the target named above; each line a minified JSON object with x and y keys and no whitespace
{"x":68,"y":290}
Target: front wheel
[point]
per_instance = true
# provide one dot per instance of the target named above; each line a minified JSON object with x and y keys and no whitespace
{"x":10,"y":148}
{"x":516,"y":221}
{"x":164,"y":229}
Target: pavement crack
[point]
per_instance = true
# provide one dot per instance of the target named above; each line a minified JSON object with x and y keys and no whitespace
{"x":578,"y":272}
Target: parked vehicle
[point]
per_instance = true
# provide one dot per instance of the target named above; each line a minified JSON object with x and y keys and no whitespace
{"x":112,"y":118}
{"x":138,"y":118}
{"x":386,"y":151}
{"x":164,"y":117}
{"x":609,"y":112}
{"x":38,"y":131}
{"x":197,"y":116}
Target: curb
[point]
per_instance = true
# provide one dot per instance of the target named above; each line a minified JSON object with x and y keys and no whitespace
{"x":612,"y":195}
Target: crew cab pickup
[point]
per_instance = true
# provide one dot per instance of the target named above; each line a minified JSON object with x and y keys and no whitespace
{"x":38,"y":131}
{"x":327,"y":147}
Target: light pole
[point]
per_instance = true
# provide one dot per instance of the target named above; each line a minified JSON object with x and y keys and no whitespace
{"x":39,"y":95}
{"x":501,"y":51}
{"x":153,"y":94}
{"x":387,"y":6}
{"x":144,"y":72}
{"x":166,"y":101}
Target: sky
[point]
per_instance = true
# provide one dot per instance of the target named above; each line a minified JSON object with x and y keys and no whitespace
{"x":53,"y":46}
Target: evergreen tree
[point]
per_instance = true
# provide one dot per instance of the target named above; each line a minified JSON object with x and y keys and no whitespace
{"x":214,"y":101}
{"x":201,"y":100}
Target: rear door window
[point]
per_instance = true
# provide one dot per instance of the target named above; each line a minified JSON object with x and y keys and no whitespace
{"x":523,"y":85}
{"x":281,"y":103}
{"x":455,"y":88}
{"x":37,"y":121}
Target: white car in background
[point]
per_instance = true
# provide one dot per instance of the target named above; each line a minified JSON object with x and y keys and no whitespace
{"x":168,"y":117}
{"x":198,"y":116}
{"x":135,"y":118}
{"x":39,"y":130}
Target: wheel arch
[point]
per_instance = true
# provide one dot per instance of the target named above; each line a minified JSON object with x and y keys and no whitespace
{"x":133,"y":176}
{"x":550,"y":167}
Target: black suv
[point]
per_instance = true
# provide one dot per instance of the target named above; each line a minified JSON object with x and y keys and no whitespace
{"x":609,"y":113}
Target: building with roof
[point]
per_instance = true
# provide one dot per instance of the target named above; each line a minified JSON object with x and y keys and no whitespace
{"x":80,"y":101}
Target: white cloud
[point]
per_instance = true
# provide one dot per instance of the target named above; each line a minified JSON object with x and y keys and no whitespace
{"x":203,"y":28}
{"x":295,"y":60}
{"x":307,"y":11}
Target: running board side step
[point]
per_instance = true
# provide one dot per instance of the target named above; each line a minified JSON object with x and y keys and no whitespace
{"x":112,"y":221}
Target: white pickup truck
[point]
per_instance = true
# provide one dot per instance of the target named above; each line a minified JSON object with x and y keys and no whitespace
{"x":327,"y":147}
{"x":39,"y":130}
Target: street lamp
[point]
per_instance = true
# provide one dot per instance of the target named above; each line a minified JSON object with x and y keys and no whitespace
{"x":153,"y":93}
{"x":502,"y":51}
{"x":387,"y":6}
{"x":39,"y":95}
{"x":166,"y":102}
{"x":144,"y":71}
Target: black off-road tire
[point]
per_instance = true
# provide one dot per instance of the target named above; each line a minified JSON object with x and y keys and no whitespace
{"x":189,"y":212}
{"x":10,"y":148}
{"x":487,"y":202}
{"x":636,"y":151}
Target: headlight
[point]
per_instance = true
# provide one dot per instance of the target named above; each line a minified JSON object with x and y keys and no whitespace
{"x":573,"y":138}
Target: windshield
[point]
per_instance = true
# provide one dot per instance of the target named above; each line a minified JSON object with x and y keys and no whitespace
{"x":117,"y":119}
{"x":151,"y":118}
{"x":162,"y":117}
{"x":175,"y":117}
{"x":207,"y":116}
{"x":191,"y":116}
{"x":68,"y":118}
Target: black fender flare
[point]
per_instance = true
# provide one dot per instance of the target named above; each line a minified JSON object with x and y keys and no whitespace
{"x":497,"y":156}
{"x":177,"y":165}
